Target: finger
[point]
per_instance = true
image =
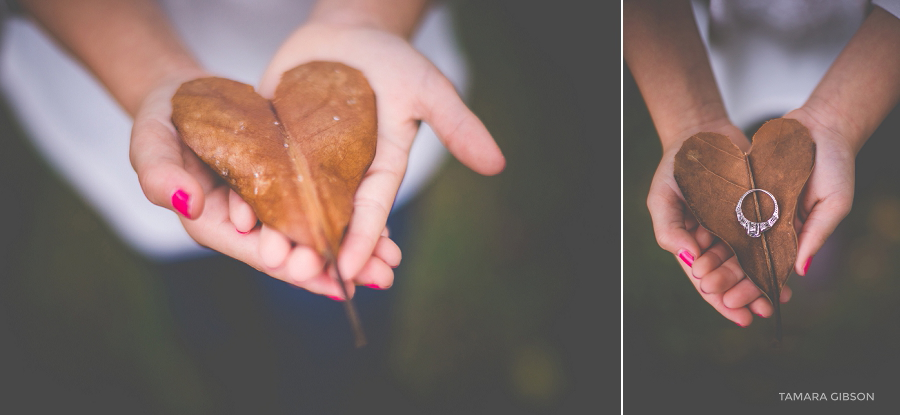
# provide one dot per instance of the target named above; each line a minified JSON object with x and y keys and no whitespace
{"x":819,"y":225}
{"x":215,"y":230}
{"x":303,"y":264}
{"x":325,"y":284}
{"x":376,"y":274}
{"x":464,"y":135}
{"x":704,"y":238}
{"x":740,"y":316}
{"x":722,"y":278}
{"x":388,"y":251}
{"x":241,"y":213}
{"x":762,"y":307}
{"x":668,"y":217}
{"x":786,"y":294}
{"x":741,"y":294}
{"x":273,"y":247}
{"x":372,"y":202}
{"x":157,"y":156}
{"x":710,"y":260}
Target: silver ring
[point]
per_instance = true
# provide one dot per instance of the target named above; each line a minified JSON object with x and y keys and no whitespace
{"x":755,"y":229}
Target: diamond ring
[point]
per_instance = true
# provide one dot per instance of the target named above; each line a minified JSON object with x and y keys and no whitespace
{"x":755,"y":229}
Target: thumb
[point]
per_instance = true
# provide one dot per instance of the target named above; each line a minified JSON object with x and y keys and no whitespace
{"x":819,"y":225}
{"x":459,"y":129}
{"x":667,"y":214}
{"x":157,"y":156}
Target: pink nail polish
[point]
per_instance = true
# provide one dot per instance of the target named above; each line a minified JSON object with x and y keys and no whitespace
{"x":180,"y":203}
{"x":243,"y":233}
{"x":739,"y":324}
{"x":335,"y":298}
{"x":686,"y":257}
{"x":374,"y":286}
{"x":806,"y":267}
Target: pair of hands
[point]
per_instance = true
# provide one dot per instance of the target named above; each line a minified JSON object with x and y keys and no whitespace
{"x":708,"y":262}
{"x":408,"y":89}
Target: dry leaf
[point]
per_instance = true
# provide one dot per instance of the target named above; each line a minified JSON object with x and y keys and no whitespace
{"x":296,"y":160}
{"x":713,"y":174}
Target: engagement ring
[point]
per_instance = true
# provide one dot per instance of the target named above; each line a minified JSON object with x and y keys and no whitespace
{"x":755,"y":229}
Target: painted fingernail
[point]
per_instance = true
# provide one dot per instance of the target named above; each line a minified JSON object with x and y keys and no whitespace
{"x":759,"y":315}
{"x":686,"y":257}
{"x":180,"y":203}
{"x":739,"y":324}
{"x":806,"y":267}
{"x":242,"y":233}
{"x":374,"y":286}
{"x":335,"y":298}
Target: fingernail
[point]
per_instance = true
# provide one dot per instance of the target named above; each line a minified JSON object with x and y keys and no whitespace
{"x":758,"y":315}
{"x":242,"y":233}
{"x":180,"y":203}
{"x":374,"y":286}
{"x":335,"y":298}
{"x":806,"y":267}
{"x":686,"y":257}
{"x":739,"y":324}
{"x":692,"y":274}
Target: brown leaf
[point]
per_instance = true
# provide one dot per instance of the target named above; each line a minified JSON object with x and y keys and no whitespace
{"x":296,"y":160}
{"x":713,"y":174}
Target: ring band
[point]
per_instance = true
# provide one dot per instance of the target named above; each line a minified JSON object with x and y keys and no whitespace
{"x":755,"y":229}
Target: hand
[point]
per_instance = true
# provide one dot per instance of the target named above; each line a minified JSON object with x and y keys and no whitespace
{"x":828,"y":194}
{"x":173,"y":177}
{"x":709,"y":263}
{"x":408,"y":88}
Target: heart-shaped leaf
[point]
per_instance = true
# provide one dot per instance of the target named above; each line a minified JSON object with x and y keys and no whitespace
{"x":298,"y":159}
{"x":713,"y":174}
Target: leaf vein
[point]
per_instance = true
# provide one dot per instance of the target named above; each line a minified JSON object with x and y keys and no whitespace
{"x":720,"y":149}
{"x":718,"y":175}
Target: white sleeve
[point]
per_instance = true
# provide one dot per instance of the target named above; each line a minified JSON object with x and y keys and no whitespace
{"x":891,"y":6}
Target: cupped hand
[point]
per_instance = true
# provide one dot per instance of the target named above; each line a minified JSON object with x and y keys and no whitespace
{"x":173,"y":177}
{"x":828,"y":195}
{"x":708,"y":262}
{"x":408,"y":89}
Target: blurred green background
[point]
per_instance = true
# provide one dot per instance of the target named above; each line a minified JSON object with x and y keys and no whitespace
{"x":841,"y":327}
{"x":489,"y":312}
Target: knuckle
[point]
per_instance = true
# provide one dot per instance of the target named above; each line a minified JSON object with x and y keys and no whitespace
{"x":368,"y":203}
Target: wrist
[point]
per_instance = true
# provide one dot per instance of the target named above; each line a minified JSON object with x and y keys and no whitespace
{"x":673,"y":137}
{"x":826,"y":123}
{"x":166,"y":76}
{"x":399,"y":17}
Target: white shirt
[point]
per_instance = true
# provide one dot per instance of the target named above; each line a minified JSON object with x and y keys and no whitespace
{"x":769,"y":55}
